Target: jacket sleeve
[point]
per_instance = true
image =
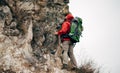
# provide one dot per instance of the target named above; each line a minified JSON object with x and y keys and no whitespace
{"x":65,"y":28}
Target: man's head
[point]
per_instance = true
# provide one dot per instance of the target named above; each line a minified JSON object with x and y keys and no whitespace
{"x":69,"y":17}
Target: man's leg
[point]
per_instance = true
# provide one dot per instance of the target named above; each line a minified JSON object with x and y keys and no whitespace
{"x":71,"y":54}
{"x":65,"y":46}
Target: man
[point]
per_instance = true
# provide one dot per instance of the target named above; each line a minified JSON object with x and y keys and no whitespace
{"x":67,"y":45}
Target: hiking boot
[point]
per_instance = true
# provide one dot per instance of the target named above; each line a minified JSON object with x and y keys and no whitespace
{"x":65,"y":66}
{"x":71,"y":69}
{"x":74,"y":68}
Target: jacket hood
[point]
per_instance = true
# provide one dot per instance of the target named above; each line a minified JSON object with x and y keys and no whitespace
{"x":69,"y":17}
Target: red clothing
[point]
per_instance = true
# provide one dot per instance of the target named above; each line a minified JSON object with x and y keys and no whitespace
{"x":66,"y":27}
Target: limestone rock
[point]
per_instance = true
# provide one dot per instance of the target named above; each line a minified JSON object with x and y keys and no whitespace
{"x":27,"y":35}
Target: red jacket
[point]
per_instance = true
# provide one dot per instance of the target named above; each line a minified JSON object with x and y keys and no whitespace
{"x":64,"y":30}
{"x":66,"y":27}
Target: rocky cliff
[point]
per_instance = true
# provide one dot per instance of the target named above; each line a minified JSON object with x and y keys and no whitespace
{"x":27,"y":40}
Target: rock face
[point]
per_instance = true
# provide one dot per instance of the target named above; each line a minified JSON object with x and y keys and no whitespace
{"x":27,"y":35}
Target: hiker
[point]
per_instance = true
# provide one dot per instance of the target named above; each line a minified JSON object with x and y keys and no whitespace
{"x":67,"y":44}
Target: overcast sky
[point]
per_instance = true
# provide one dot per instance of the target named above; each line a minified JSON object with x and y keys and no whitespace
{"x":101,"y":36}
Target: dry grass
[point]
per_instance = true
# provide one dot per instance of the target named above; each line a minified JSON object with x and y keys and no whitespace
{"x":88,"y":68}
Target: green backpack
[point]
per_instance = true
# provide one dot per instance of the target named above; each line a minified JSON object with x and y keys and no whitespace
{"x":76,"y":29}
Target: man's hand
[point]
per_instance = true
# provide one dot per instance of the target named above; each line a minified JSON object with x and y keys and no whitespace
{"x":56,"y":33}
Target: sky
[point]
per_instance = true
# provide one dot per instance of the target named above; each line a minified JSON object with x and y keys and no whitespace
{"x":101,"y":35}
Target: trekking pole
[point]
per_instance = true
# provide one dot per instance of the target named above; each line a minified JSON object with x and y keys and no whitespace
{"x":59,"y":40}
{"x":59,"y":48}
